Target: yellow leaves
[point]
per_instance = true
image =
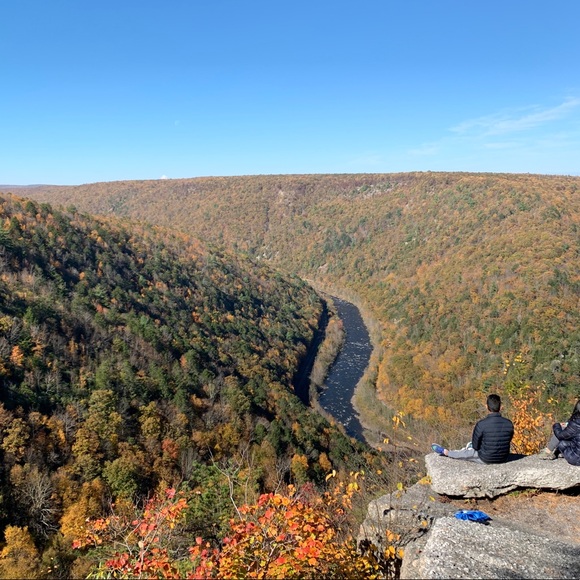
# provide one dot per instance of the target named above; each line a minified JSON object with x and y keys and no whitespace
{"x":16,"y":437}
{"x":331,"y":475}
{"x":398,"y":420}
{"x":353,"y":486}
{"x":19,"y":558}
{"x":325,"y":462}
{"x":531,"y":427}
{"x":17,"y":356}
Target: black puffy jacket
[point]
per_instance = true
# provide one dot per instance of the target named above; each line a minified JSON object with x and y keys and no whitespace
{"x":569,"y":445}
{"x":492,"y":437}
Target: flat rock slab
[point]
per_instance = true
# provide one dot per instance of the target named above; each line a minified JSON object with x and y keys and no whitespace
{"x":462,"y":549}
{"x":457,"y":478}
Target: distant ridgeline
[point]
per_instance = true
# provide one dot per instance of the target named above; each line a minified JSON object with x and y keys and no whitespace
{"x":133,"y":358}
{"x":474,"y":278}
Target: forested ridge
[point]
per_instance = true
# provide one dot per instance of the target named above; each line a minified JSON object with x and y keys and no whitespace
{"x":134,"y":360}
{"x":466,"y":273}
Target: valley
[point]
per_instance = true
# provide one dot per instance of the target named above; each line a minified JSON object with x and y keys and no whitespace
{"x":460,"y":271}
{"x":135,"y":359}
{"x":152,"y":335}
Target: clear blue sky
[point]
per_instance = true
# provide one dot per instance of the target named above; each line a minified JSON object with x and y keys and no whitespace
{"x":143,"y":89}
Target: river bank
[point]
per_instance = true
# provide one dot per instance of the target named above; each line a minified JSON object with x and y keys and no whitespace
{"x":343,"y":387}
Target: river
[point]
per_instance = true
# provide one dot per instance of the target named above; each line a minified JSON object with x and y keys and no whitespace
{"x":347,"y":370}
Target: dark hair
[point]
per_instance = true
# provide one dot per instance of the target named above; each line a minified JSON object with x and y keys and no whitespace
{"x":576,"y":410}
{"x":493,"y":403}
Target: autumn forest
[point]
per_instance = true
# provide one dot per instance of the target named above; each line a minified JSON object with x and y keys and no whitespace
{"x":151,"y":333}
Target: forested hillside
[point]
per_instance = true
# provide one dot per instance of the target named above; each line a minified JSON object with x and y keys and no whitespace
{"x":133,"y":359}
{"x":474,"y":278}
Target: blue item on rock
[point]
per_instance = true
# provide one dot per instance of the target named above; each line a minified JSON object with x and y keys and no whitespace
{"x":473,"y":516}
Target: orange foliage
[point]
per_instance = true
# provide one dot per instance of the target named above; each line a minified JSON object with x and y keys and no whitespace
{"x":141,"y":544}
{"x":17,"y":356}
{"x":298,"y":534}
{"x":531,"y":426}
{"x":73,"y":521}
{"x":293,"y":536}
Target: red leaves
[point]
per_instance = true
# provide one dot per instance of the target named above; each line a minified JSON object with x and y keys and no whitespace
{"x":278,"y":537}
{"x":147,"y":538}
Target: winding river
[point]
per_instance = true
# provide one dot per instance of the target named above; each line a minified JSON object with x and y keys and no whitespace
{"x":347,"y":370}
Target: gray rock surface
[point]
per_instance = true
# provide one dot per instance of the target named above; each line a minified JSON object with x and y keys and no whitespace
{"x":456,"y":478}
{"x":460,"y":549}
{"x":409,"y":513}
{"x":438,"y":545}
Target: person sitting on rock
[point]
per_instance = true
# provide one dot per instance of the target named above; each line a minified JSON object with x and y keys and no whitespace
{"x":565,"y":439}
{"x":491,"y":439}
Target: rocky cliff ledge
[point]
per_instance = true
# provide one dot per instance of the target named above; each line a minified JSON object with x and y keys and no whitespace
{"x":464,"y":479}
{"x":537,"y":536}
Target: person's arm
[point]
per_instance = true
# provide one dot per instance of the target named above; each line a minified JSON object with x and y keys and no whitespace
{"x":477,"y":436}
{"x":568,"y":433}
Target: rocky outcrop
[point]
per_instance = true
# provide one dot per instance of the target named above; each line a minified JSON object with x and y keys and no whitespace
{"x":457,"y":478}
{"x":438,"y":545}
{"x":408,"y":513}
{"x":461,"y":549}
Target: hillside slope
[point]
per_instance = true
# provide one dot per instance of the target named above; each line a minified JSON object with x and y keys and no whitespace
{"x":467,"y":273}
{"x":132,"y":359}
